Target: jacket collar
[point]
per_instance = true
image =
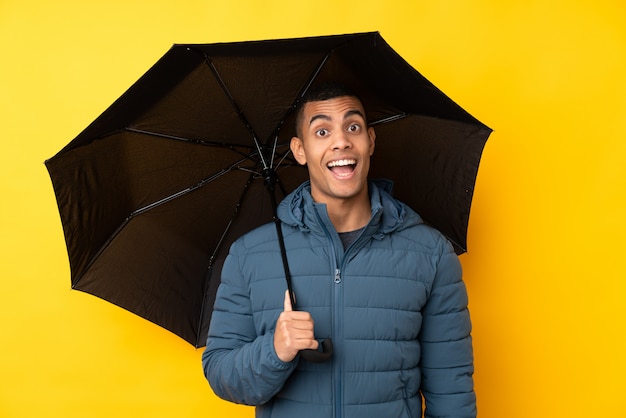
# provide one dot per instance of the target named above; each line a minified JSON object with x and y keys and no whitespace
{"x":388,"y":214}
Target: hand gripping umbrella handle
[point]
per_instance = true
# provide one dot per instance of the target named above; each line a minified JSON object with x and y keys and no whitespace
{"x":314,"y":356}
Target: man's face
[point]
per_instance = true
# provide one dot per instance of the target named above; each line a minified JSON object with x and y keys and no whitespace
{"x":336,"y":145}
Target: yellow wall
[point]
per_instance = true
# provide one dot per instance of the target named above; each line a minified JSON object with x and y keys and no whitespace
{"x":545,"y":270}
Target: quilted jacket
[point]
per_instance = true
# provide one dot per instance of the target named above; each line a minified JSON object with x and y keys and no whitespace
{"x":393,"y":303}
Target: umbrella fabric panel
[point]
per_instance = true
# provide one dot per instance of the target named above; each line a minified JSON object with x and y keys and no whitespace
{"x":195,"y":110}
{"x":440,"y":175}
{"x":210,"y":106}
{"x":114,"y":253}
{"x":156,"y":265}
{"x":159,"y":264}
{"x":100,"y":185}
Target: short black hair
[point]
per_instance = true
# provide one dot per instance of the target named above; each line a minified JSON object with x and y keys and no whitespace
{"x":318,"y":93}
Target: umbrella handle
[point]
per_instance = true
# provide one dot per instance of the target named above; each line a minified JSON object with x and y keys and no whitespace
{"x":316,"y":356}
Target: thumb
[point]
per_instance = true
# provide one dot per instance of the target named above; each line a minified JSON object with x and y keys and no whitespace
{"x":287,"y":302}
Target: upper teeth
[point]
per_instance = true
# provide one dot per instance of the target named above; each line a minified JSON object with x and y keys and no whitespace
{"x":341,"y":163}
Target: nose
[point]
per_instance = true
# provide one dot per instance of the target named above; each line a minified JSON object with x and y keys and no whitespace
{"x":341,"y":141}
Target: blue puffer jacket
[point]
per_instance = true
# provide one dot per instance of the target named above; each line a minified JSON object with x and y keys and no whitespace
{"x":393,"y":303}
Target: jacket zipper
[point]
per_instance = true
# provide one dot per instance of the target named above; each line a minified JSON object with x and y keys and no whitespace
{"x":338,"y":326}
{"x":340,"y":264}
{"x":337,"y":322}
{"x":337,"y":278}
{"x":337,"y":319}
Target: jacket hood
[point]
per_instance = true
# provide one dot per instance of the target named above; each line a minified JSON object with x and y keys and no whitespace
{"x":299,"y":210}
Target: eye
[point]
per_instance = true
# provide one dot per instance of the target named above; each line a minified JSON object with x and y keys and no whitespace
{"x":354,"y":128}
{"x":321,"y":132}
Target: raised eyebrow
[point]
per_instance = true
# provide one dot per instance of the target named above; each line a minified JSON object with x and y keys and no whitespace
{"x":354,"y":112}
{"x":316,"y":117}
{"x":345,"y":116}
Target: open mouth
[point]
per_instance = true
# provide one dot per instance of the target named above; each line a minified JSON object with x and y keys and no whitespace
{"x":342,"y":168}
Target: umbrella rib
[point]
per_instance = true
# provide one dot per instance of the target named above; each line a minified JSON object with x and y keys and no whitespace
{"x":183,"y":139}
{"x":283,"y":158}
{"x":219,"y":246}
{"x":240,"y":113}
{"x":274,"y":146}
{"x":389,"y":119}
{"x":232,"y":219}
{"x":189,"y":189}
{"x":232,"y":147}
{"x":300,"y":95}
{"x":234,"y":166}
{"x":311,"y":79}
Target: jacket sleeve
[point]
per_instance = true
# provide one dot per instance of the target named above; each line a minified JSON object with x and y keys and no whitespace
{"x":447,"y":356}
{"x":240,"y":365}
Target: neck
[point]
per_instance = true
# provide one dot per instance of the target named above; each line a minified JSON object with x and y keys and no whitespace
{"x":348,"y":215}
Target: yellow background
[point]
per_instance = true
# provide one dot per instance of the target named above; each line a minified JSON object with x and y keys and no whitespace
{"x":545,"y":268}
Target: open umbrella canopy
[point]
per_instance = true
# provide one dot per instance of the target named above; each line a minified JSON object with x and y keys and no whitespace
{"x":154,"y":191}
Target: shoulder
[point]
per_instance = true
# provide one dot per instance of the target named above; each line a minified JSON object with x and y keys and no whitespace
{"x":255,"y":239}
{"x":421,"y":237}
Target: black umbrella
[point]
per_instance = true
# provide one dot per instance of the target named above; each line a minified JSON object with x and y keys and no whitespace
{"x":154,"y":191}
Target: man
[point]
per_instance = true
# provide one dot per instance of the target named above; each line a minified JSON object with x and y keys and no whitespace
{"x":366,"y":271}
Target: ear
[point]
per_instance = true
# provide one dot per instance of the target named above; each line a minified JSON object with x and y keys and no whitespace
{"x":297,"y":148}
{"x":372,"y":135}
